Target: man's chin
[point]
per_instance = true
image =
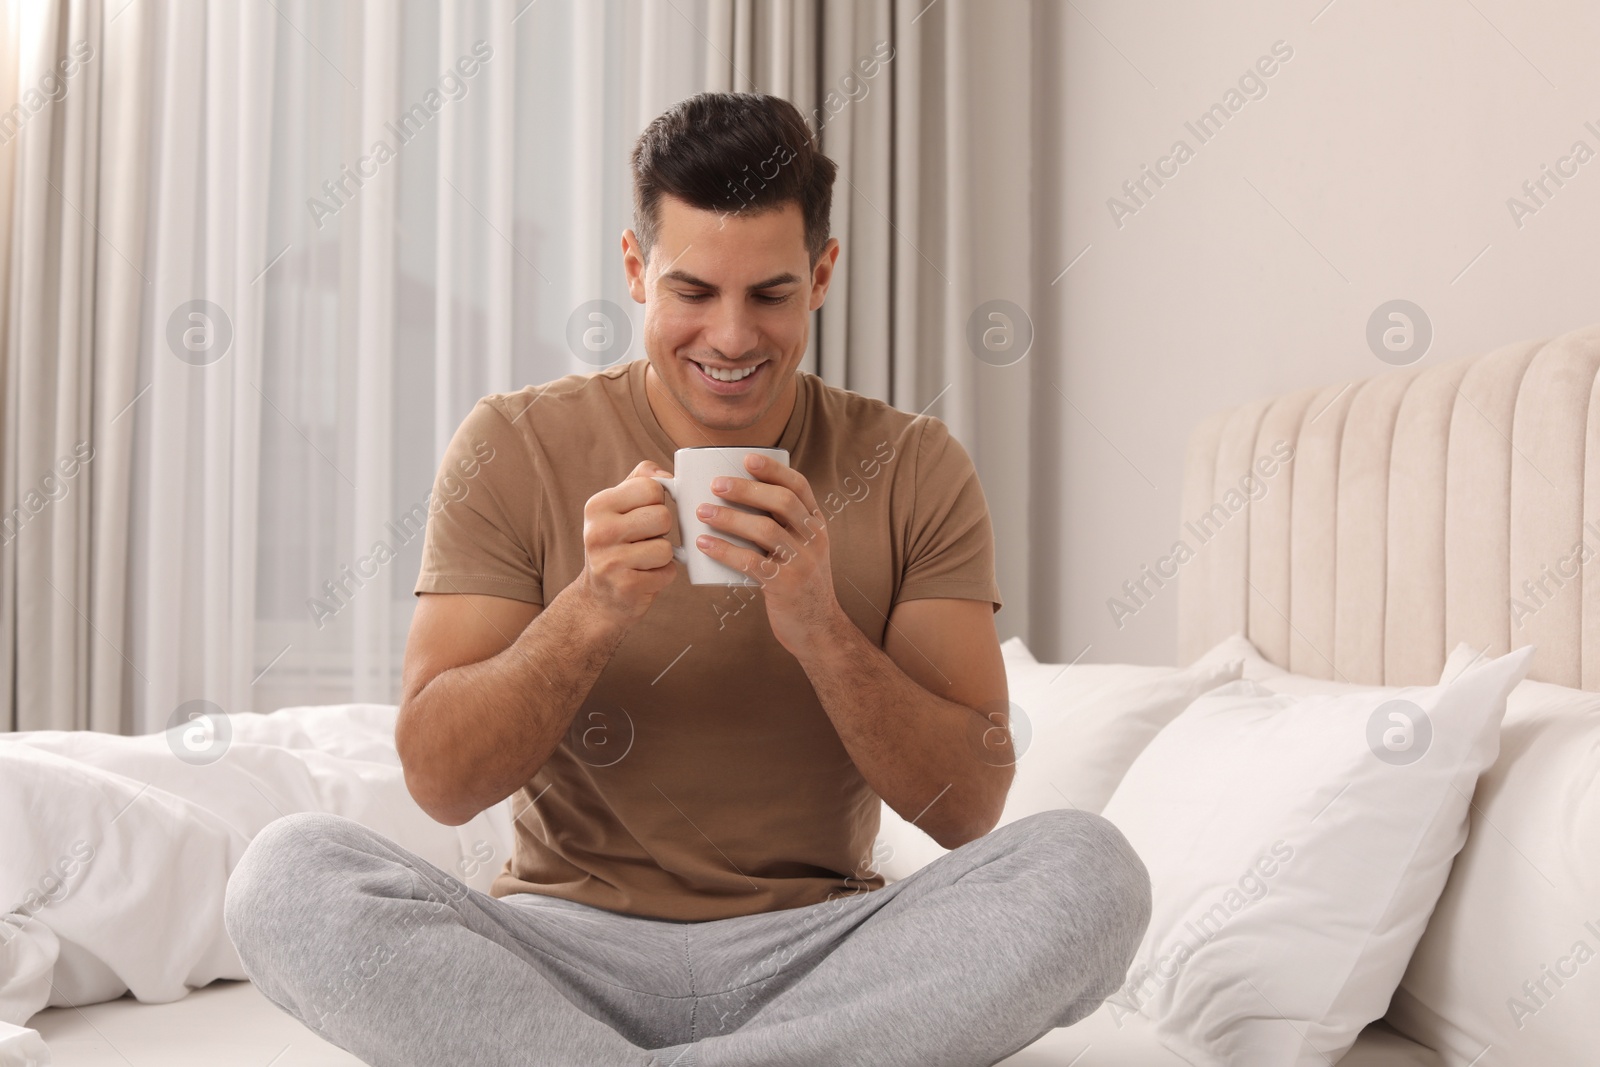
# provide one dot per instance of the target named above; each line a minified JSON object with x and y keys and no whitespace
{"x":726,"y":422}
{"x":722,"y":412}
{"x":718,"y":414}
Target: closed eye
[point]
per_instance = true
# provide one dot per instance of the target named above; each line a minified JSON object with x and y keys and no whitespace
{"x":700,"y":297}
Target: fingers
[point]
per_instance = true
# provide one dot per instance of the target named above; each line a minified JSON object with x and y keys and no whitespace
{"x":764,"y":566}
{"x":627,"y":524}
{"x":763,"y":469}
{"x":758,"y":529}
{"x":652,"y":555}
{"x":778,"y":501}
{"x":627,"y":559}
{"x":638,"y":491}
{"x":640,"y":524}
{"x":614,"y":521}
{"x":738,"y":557}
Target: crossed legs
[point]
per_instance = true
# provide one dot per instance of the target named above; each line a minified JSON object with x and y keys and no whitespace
{"x":969,"y":959}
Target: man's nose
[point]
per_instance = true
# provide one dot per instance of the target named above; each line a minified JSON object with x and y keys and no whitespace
{"x":732,"y":330}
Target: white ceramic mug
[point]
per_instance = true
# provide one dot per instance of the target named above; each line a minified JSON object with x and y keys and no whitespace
{"x":690,"y":486}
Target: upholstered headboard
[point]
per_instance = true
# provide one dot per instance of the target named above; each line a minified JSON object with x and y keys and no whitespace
{"x":1420,"y":508}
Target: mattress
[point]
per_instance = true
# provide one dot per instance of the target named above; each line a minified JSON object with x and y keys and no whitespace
{"x":230,"y":1024}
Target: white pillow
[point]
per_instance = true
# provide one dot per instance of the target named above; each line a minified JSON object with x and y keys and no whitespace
{"x":1296,"y":846}
{"x":1254,"y":666}
{"x":1089,"y":721}
{"x":1078,"y":729}
{"x":1510,"y":961}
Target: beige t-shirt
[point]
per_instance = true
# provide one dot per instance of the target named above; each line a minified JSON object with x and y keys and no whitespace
{"x":701,"y":778}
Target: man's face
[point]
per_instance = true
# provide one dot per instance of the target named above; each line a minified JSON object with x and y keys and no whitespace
{"x":727,"y":296}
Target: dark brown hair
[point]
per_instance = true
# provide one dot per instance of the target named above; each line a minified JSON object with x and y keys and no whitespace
{"x":732,"y":152}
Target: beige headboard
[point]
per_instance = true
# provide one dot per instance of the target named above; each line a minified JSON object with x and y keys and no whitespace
{"x":1422,"y":507}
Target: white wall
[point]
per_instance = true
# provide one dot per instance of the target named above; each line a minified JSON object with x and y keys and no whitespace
{"x":1377,"y":166}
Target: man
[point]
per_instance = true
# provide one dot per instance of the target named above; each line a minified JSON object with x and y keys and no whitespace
{"x":698,"y":769}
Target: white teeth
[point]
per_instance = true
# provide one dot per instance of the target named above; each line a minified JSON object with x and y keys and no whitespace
{"x":727,"y":375}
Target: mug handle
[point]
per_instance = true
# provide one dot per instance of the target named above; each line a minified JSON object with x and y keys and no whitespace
{"x":670,"y":484}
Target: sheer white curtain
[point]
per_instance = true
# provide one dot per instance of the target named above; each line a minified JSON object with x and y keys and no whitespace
{"x":265,"y":256}
{"x":129,"y":457}
{"x":416,"y":283}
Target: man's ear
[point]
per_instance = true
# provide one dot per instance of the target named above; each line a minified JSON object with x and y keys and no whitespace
{"x":633,"y":265}
{"x":822,"y":273}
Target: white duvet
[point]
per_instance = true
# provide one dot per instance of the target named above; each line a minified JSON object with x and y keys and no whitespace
{"x":114,"y":852}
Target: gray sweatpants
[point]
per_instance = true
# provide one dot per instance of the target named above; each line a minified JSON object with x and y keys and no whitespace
{"x":966,"y":961}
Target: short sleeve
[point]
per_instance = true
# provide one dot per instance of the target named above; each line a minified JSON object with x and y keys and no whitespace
{"x":950,"y":541}
{"x":482,"y":533}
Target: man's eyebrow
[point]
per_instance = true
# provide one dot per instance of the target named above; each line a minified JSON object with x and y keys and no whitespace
{"x":770,"y":283}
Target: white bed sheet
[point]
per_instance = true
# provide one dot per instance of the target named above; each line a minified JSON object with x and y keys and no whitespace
{"x":115,"y":852}
{"x":230,"y":1024}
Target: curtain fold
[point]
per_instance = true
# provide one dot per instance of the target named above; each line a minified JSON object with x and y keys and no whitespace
{"x":375,"y":349}
{"x":192,"y":518}
{"x":935,"y":152}
{"x":52,"y":246}
{"x":262,"y":258}
{"x":120,"y":294}
{"x":10,"y":85}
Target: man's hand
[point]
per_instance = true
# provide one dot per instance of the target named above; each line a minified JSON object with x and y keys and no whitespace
{"x":627,"y":558}
{"x":794,"y":568}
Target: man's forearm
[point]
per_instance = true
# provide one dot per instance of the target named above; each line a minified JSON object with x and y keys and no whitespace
{"x":488,"y":727}
{"x":941,"y":764}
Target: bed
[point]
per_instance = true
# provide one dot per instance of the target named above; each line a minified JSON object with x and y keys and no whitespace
{"x":229,"y":1024}
{"x":1416,"y":502}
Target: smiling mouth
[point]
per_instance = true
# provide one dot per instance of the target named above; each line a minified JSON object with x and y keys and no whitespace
{"x":727,"y":374}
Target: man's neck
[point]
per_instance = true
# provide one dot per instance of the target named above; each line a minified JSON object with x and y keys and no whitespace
{"x":686,"y":432}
